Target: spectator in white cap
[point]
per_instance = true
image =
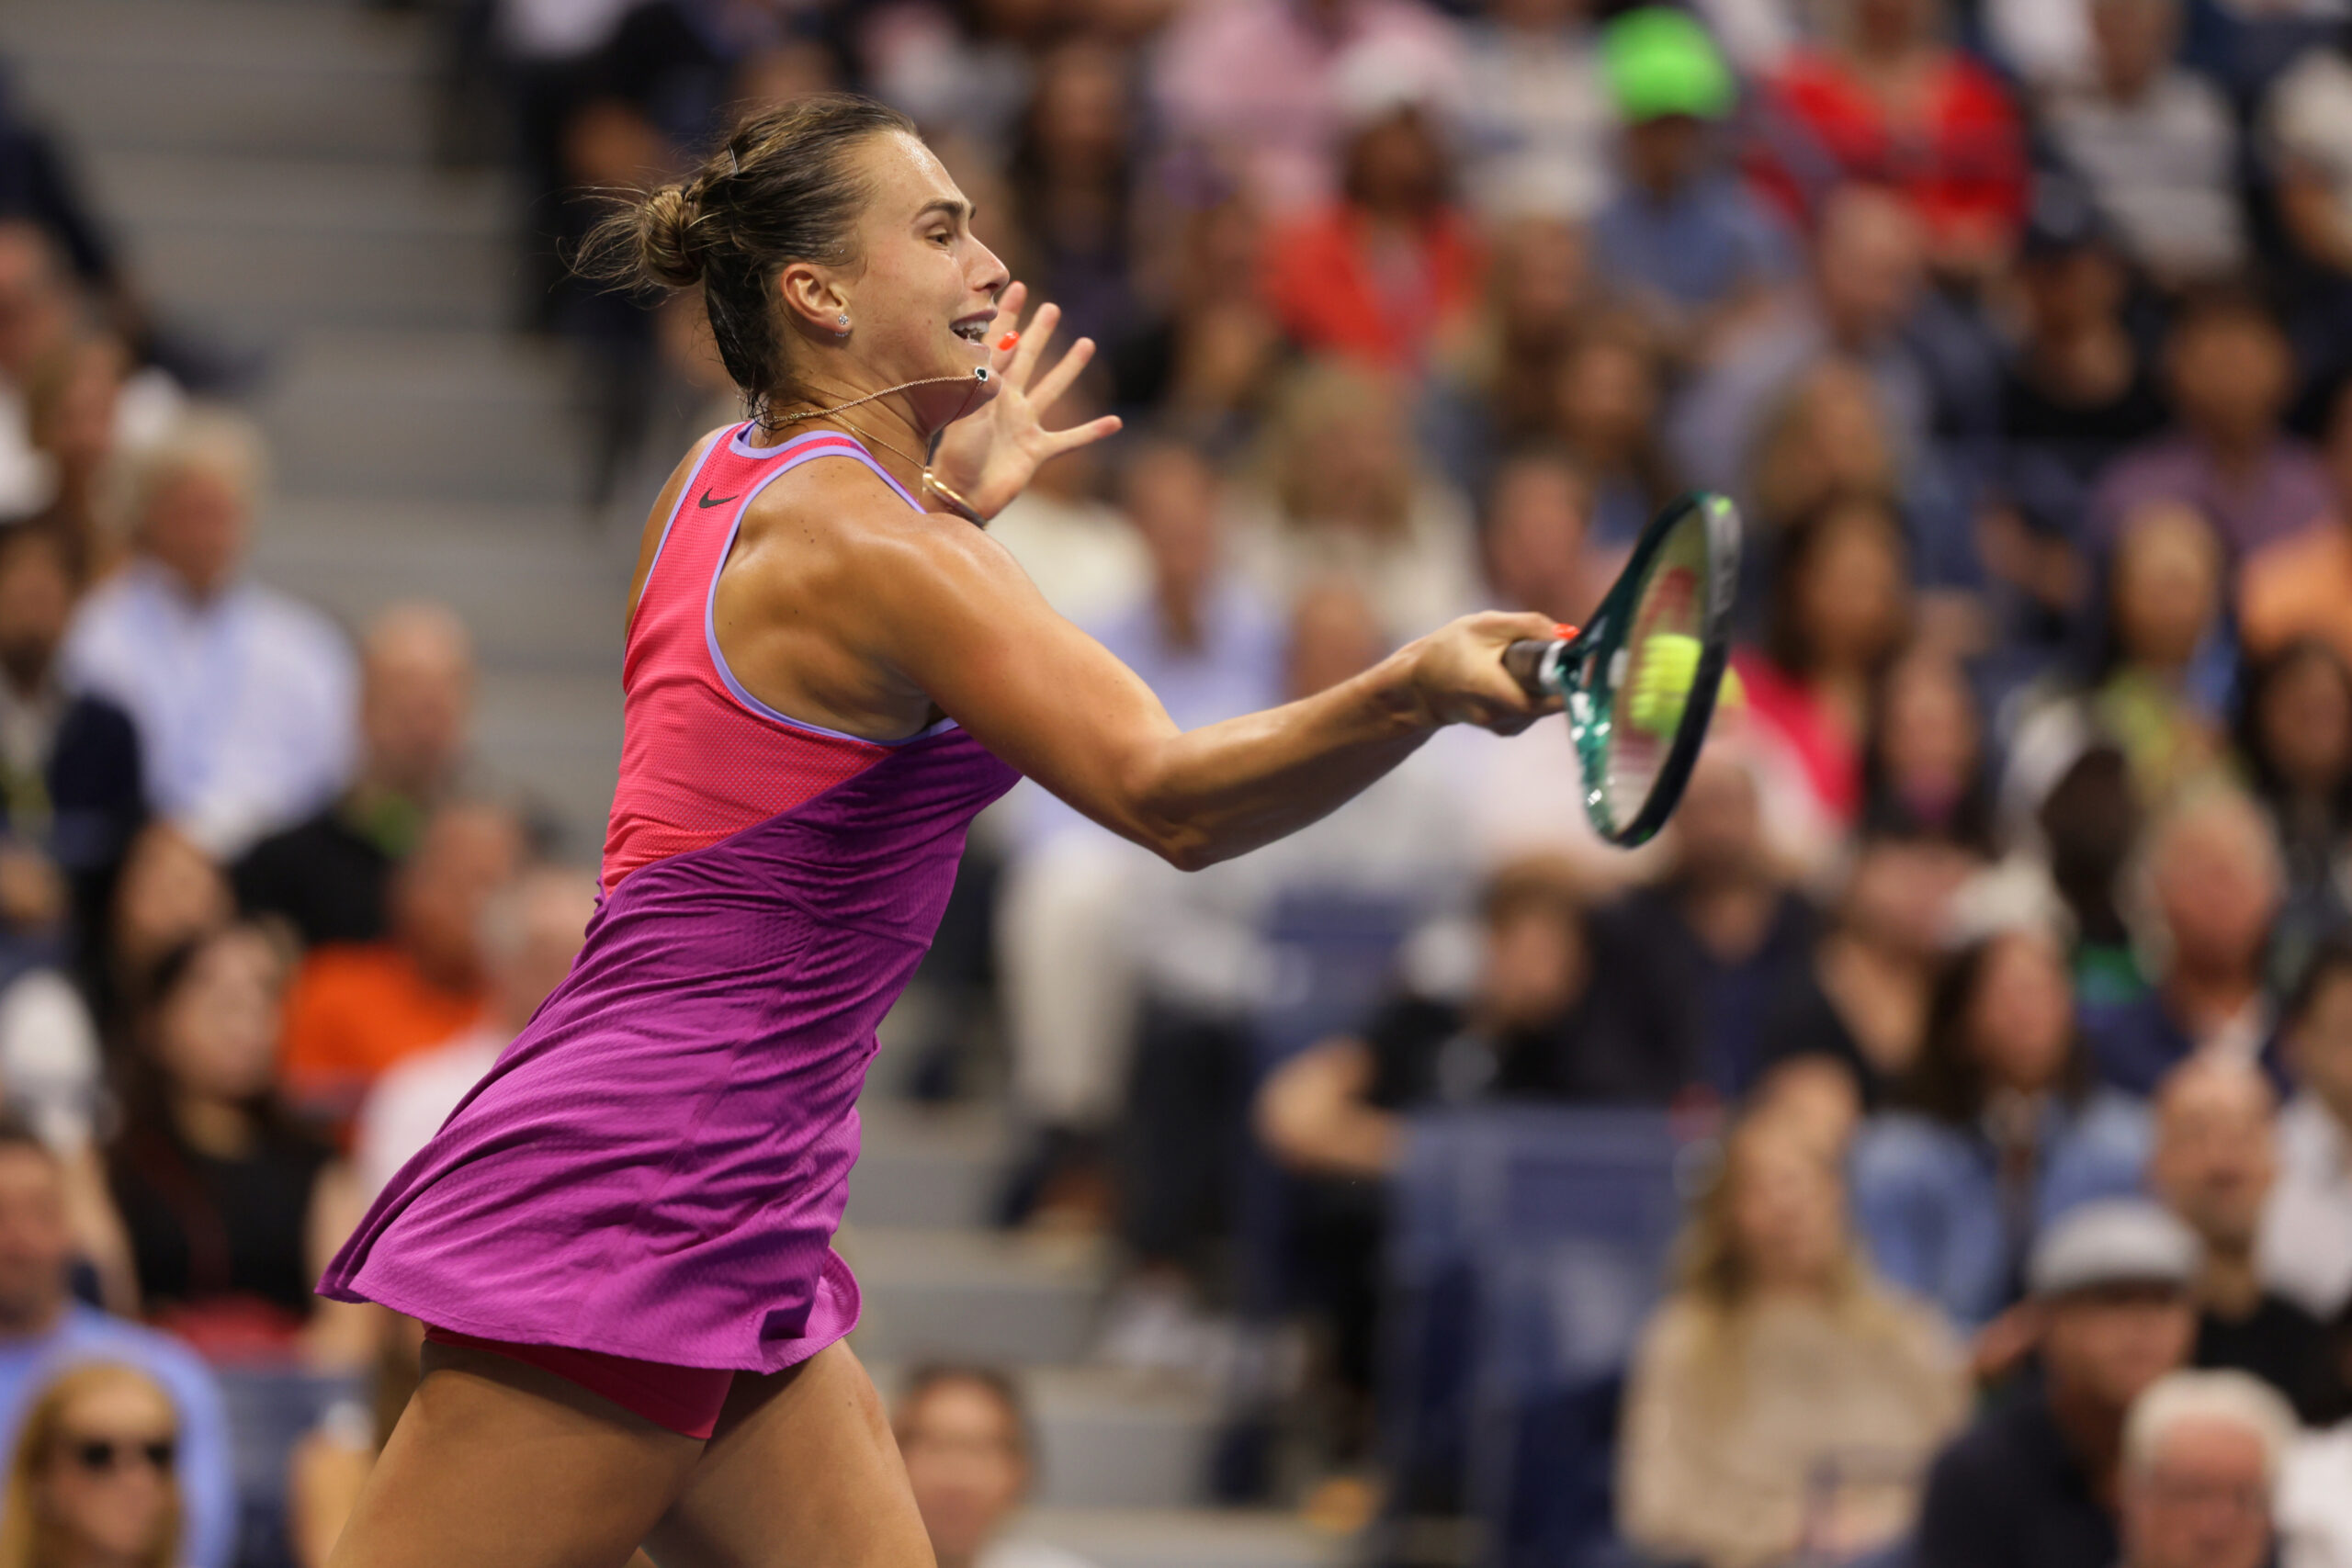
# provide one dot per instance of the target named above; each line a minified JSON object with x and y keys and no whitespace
{"x":2202,"y":1456}
{"x":2032,"y":1484}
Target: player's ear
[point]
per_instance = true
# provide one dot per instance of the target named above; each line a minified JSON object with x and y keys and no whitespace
{"x":811,"y":299}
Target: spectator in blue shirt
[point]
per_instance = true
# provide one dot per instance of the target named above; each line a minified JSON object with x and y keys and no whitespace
{"x":2002,"y":1132}
{"x":243,"y":698}
{"x":1683,"y":239}
{"x":44,"y":1330}
{"x":2216,"y":887}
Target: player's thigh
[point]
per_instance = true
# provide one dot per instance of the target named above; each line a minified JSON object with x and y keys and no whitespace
{"x":505,"y":1465}
{"x":803,"y":1473}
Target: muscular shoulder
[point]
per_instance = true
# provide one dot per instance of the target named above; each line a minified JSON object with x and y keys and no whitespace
{"x":838,"y":523}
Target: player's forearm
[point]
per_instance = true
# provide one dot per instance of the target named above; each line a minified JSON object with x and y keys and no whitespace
{"x":1208,"y":795}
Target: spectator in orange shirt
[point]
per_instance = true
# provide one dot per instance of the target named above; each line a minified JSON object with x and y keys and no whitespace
{"x":1391,"y":269}
{"x":356,"y":1008}
{"x":2301,"y":586}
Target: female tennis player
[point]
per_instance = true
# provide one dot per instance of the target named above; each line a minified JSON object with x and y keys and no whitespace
{"x":620,"y":1241}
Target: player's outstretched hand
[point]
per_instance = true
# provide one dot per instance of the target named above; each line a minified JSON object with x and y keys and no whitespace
{"x":989,"y":455}
{"x":1458,"y":675}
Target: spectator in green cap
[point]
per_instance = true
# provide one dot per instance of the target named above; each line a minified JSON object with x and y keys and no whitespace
{"x":1682,"y":240}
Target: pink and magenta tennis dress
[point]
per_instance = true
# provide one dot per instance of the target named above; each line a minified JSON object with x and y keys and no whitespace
{"x":655,"y":1168}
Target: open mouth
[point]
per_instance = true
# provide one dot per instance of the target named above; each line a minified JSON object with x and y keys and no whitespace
{"x":972,"y":329}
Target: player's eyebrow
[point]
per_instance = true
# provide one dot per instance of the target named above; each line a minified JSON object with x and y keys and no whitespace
{"x":963,"y":210}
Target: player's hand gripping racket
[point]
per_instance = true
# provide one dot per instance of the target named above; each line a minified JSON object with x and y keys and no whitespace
{"x":1639,"y":683}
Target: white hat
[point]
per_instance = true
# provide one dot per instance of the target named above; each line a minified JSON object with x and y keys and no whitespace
{"x":2115,"y":1241}
{"x":1383,"y":77}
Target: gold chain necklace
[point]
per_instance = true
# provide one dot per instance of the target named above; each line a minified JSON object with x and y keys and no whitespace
{"x":887,"y":447}
{"x":770,"y":425}
{"x":931,"y":484}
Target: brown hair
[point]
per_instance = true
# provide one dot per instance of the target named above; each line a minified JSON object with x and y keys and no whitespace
{"x":1541,"y":882}
{"x":1948,"y":1084}
{"x":779,"y":189}
{"x":930,"y":1376}
{"x":27,"y":1539}
{"x":1313,"y":398}
{"x":1788,"y":641}
{"x":1713,"y":1278}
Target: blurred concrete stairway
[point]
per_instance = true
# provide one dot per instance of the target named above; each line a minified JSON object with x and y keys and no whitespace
{"x":266,"y":164}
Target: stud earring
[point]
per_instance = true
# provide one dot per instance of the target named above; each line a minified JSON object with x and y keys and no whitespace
{"x":841,"y":324}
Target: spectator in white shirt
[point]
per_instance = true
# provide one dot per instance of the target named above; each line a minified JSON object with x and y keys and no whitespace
{"x":2306,"y":1248}
{"x":531,"y":931}
{"x":244,"y":698}
{"x":2156,"y":144}
{"x":2314,"y":1502}
{"x":1536,"y":118}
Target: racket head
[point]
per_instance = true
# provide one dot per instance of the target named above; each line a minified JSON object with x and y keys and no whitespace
{"x":1640,"y":682}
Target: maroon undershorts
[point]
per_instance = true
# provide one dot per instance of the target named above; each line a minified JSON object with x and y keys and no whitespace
{"x":686,"y":1400}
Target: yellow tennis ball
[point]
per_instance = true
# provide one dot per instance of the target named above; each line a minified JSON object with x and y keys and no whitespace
{"x":1662,"y":682}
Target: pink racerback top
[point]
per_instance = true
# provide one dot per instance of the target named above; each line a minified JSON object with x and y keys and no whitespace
{"x":656,"y":1166}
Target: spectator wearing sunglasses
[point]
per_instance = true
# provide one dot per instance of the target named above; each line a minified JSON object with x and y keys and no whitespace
{"x":93,"y":1477}
{"x":44,"y":1328}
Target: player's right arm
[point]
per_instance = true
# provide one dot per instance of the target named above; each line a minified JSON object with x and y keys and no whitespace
{"x":948,"y":609}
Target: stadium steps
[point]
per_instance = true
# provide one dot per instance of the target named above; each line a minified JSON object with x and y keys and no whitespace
{"x":1184,"y":1538}
{"x":224,"y":76}
{"x":974,"y":1294}
{"x":260,"y":248}
{"x":426,"y":416}
{"x":526,"y":578}
{"x":926,"y":1166}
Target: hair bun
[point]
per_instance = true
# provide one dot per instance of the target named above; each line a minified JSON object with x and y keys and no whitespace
{"x":666,"y":250}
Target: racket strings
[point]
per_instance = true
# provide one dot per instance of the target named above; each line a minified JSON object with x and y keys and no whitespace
{"x":1666,"y":615}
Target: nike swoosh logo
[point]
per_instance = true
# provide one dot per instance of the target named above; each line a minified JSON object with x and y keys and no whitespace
{"x":707,"y":500}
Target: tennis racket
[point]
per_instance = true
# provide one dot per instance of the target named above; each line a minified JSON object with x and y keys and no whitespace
{"x":1639,"y":683}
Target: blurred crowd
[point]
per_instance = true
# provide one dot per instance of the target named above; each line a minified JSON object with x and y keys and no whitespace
{"x":1995,"y":976}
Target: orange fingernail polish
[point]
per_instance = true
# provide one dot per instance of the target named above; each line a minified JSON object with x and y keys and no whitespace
{"x":1562,"y":630}
{"x":1004,"y":344}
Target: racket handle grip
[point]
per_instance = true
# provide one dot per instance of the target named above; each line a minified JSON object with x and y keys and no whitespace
{"x":1527,"y":659}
